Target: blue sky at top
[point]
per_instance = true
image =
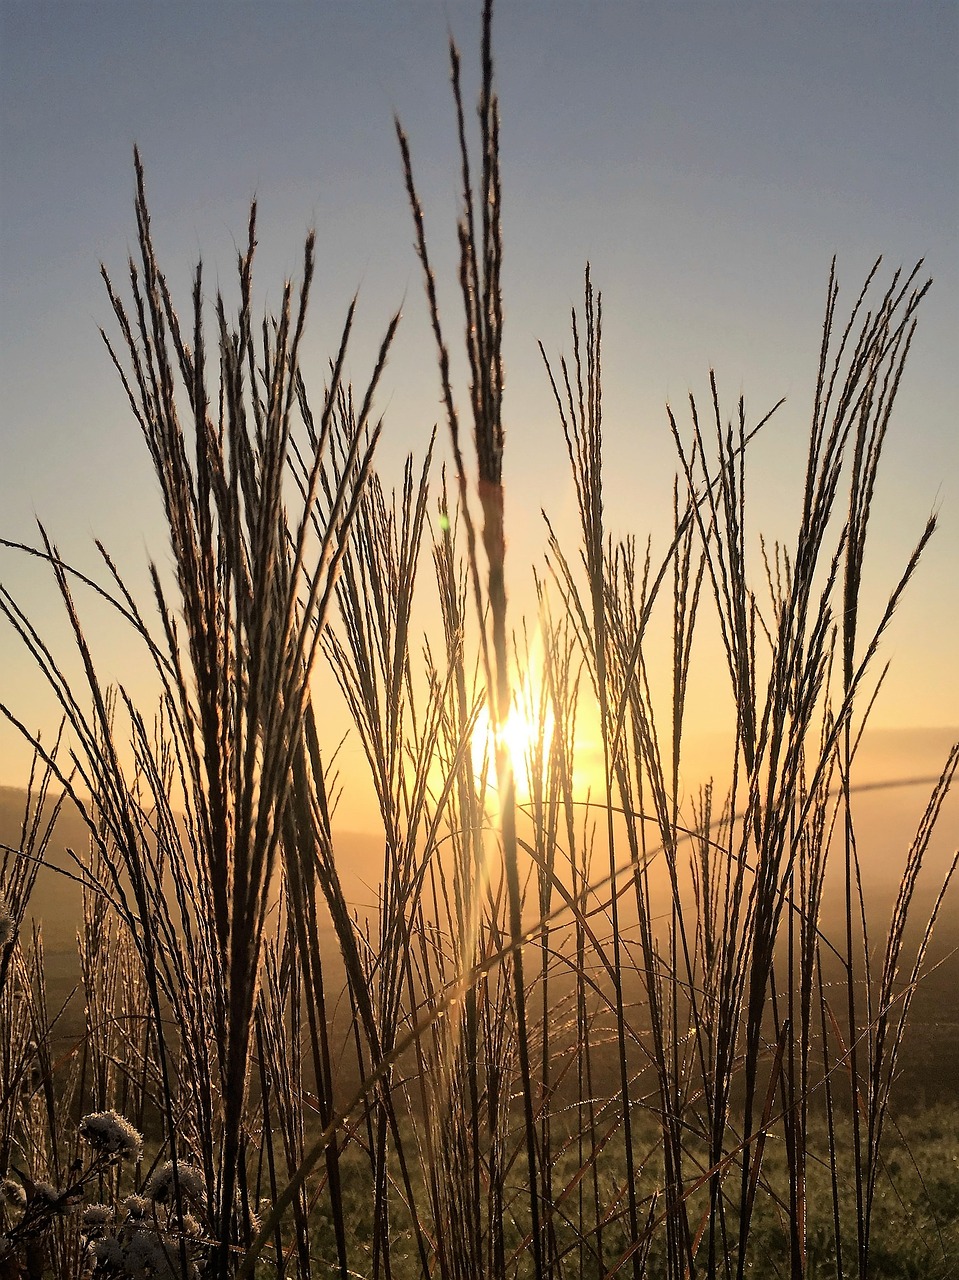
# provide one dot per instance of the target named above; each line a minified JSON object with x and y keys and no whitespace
{"x":707,"y":158}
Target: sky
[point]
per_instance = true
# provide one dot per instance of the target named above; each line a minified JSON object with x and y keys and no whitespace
{"x":707,"y":159}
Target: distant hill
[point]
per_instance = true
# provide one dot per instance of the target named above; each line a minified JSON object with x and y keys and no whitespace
{"x":56,"y":900}
{"x":886,"y":821}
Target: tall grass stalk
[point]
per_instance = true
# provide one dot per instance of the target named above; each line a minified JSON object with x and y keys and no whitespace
{"x":481,"y":250}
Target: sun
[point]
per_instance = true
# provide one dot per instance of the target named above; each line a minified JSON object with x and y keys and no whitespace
{"x":527,"y":736}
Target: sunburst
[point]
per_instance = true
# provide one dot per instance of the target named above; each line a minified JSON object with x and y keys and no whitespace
{"x":527,"y":735}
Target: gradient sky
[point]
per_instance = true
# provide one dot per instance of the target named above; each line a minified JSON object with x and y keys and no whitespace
{"x":707,"y":158}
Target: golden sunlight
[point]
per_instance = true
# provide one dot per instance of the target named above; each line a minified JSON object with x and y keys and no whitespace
{"x":527,"y":736}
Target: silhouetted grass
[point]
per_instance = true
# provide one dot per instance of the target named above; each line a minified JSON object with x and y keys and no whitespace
{"x":580,"y":1034}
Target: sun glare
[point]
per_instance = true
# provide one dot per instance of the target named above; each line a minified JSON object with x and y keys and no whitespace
{"x":527,"y":736}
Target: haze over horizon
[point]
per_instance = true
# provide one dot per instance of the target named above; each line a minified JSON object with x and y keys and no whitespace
{"x":708,"y":160}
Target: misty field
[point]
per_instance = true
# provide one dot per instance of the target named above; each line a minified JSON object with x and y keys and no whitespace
{"x":587,"y":1020}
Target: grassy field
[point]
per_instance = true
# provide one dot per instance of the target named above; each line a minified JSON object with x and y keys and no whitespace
{"x":656,"y":1029}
